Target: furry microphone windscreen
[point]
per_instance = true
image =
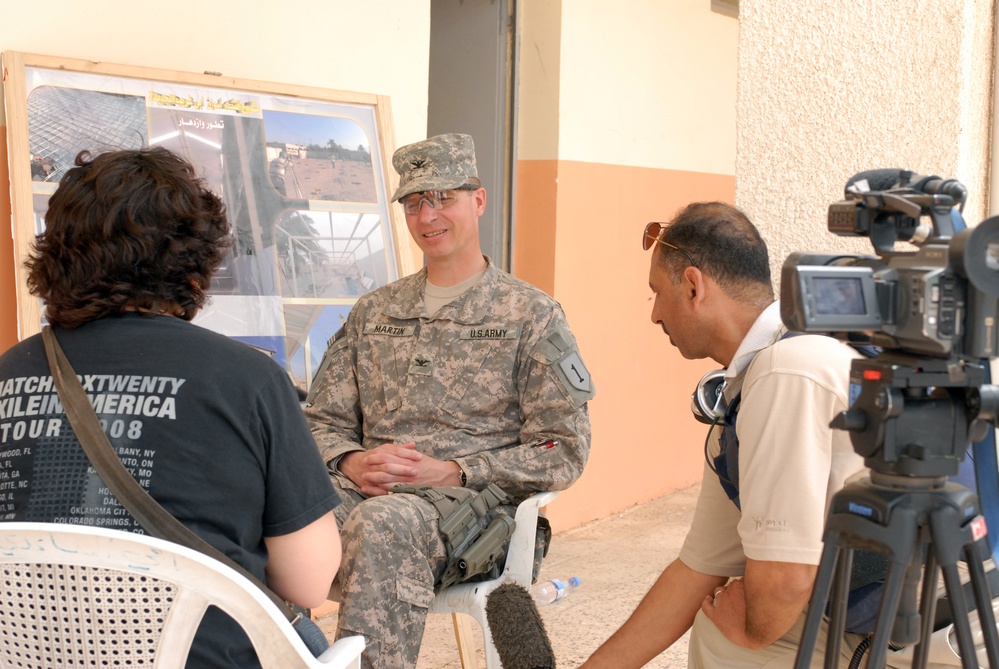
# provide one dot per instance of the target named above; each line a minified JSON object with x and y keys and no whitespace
{"x":517,"y":629}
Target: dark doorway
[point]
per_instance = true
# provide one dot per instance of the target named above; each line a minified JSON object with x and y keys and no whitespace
{"x":472,"y":52}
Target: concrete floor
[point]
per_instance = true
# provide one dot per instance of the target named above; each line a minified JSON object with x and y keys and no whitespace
{"x":617,"y":559}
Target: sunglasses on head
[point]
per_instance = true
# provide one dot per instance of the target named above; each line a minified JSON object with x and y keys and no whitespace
{"x":654,"y":235}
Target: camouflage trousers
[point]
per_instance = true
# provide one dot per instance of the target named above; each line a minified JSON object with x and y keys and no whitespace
{"x":393,"y":553}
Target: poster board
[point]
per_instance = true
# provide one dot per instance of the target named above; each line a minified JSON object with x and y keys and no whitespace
{"x":305,"y":174}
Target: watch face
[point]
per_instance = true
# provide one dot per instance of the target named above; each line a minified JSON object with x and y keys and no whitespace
{"x":462,"y":477}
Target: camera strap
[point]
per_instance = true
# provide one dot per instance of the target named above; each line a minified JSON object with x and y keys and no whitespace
{"x":726,"y":463}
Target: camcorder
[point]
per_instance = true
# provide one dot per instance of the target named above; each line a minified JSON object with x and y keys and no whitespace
{"x":941,"y":300}
{"x":916,"y":403}
{"x":932,"y":312}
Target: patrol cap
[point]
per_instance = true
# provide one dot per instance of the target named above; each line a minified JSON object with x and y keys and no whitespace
{"x":444,"y":162}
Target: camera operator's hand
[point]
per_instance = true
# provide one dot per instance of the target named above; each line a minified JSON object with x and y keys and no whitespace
{"x":726,"y":608}
{"x":755,"y":611}
{"x":380,"y":469}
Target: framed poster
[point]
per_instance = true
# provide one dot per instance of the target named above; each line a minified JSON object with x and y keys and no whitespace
{"x":304,"y":173}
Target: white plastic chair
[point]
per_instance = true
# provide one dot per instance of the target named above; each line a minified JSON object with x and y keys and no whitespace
{"x":72,"y":596}
{"x":470,"y":598}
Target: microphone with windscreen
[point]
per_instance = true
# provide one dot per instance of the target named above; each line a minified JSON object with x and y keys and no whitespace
{"x":517,"y":629}
{"x":873,"y":180}
{"x":887,"y":179}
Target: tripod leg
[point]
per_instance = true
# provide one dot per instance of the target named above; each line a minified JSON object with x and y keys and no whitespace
{"x":983,"y":601}
{"x":962,"y":627}
{"x":886,"y":614}
{"x":906,"y":629}
{"x":837,"y":617}
{"x":949,"y":539}
{"x":928,"y":607}
{"x":820,"y":595}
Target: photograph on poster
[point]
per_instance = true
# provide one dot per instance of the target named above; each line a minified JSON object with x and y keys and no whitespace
{"x":64,"y":121}
{"x":319,"y":157}
{"x":329,"y":254}
{"x":324,"y":323}
{"x":303,"y":179}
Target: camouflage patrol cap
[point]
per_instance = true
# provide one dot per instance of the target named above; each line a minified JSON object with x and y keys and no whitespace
{"x":444,"y":162}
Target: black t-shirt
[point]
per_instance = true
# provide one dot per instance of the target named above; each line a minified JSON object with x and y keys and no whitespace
{"x":211,"y":427}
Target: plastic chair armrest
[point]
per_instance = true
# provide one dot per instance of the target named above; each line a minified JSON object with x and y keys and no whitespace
{"x":520,"y":555}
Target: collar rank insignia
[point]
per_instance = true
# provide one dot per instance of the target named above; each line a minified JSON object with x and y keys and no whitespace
{"x":421,"y":365}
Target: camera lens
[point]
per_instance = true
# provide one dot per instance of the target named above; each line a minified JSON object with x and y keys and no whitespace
{"x":975,"y":254}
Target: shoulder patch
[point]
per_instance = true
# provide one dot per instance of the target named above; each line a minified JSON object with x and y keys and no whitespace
{"x":575,"y":371}
{"x":553,"y":346}
{"x":334,"y":345}
{"x":338,"y":340}
{"x":338,"y":335}
{"x":559,"y":351}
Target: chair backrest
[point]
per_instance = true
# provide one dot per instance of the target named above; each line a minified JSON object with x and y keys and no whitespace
{"x":74,"y":596}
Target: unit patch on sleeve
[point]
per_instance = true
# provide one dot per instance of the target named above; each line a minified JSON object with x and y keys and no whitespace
{"x":337,"y":336}
{"x":559,"y":350}
{"x":334,"y":345}
{"x":575,"y":371}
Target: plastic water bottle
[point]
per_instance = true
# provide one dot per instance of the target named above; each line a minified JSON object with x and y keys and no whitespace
{"x":553,"y":590}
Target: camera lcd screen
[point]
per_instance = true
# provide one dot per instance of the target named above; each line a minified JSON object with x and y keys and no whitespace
{"x":838,"y":296}
{"x":831,"y":299}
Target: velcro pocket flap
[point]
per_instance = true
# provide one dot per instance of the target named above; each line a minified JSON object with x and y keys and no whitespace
{"x":413,"y":592}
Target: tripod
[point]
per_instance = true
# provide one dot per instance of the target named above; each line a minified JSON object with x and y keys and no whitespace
{"x":912,"y":421}
{"x":908,"y":521}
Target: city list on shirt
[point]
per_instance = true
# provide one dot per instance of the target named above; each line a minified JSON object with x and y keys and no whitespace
{"x":43,"y":470}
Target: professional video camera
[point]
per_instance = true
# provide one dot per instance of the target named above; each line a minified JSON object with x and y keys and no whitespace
{"x":915,"y":408}
{"x":940,"y":300}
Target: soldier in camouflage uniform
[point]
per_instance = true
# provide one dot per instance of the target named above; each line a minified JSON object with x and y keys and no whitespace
{"x":458,"y":375}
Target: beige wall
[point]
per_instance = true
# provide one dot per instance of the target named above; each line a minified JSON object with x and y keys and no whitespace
{"x":627,"y":113}
{"x":829,"y":88}
{"x":648,"y":83}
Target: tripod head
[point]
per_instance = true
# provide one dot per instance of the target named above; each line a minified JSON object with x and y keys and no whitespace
{"x":915,"y":416}
{"x":912,"y":419}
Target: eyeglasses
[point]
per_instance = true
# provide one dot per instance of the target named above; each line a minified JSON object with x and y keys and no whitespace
{"x":654,"y":234}
{"x":437,"y":199}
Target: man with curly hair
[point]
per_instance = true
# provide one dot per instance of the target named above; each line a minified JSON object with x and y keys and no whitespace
{"x":209,"y":426}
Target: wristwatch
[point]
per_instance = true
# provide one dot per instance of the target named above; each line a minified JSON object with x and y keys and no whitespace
{"x":462,"y":477}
